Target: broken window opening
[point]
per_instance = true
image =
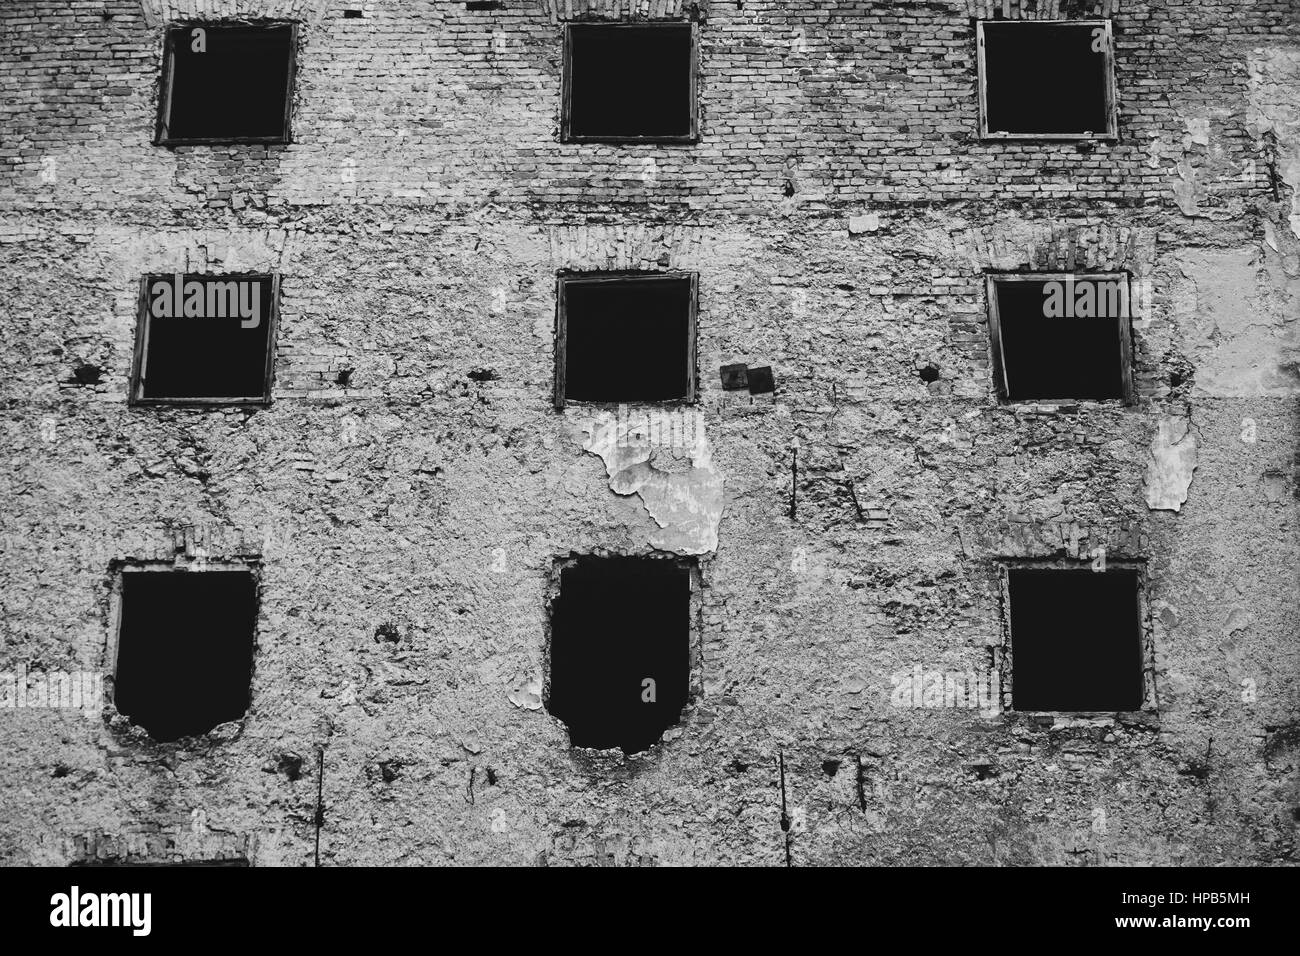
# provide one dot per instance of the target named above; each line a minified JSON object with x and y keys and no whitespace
{"x":620,"y":655}
{"x":630,"y":82}
{"x":1075,"y":639}
{"x":185,"y":642}
{"x":1046,"y":79}
{"x":227,"y":83}
{"x":623,"y":338}
{"x":203,"y":339}
{"x":1061,"y":336}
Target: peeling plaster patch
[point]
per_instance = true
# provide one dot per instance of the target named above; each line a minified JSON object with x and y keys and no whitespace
{"x":1234,"y":332}
{"x":867,"y":222}
{"x":1273,"y":487}
{"x":1198,"y":130}
{"x":1185,"y":187}
{"x":1270,"y":235}
{"x":527,"y":694}
{"x":1275,"y":110}
{"x":1170,"y":466}
{"x":1154,"y":149}
{"x":663,"y":456}
{"x":1238,"y":620}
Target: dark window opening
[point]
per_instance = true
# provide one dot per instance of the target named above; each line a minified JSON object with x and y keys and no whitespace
{"x":629,"y":82}
{"x":227,"y":83}
{"x":1046,"y":79}
{"x":205,"y":338}
{"x":1076,"y":640}
{"x":185,"y":650}
{"x":620,"y":651}
{"x":1061,"y":337}
{"x":625,"y":339}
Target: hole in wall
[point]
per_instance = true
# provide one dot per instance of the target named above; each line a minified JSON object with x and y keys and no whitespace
{"x":1061,"y":337}
{"x":1045,"y":78}
{"x":185,"y":650}
{"x":1076,"y":640}
{"x":87,"y":374}
{"x":630,"y":80}
{"x":228,"y":82}
{"x":627,"y":338}
{"x":620,"y":650}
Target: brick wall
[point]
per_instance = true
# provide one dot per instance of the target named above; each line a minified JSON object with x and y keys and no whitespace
{"x":412,"y":479}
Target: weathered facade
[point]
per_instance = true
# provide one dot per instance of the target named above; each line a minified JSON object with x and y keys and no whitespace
{"x":408,"y":492}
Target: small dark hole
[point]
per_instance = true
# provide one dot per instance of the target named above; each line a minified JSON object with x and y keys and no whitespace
{"x":390,"y":770}
{"x":929,"y":374}
{"x":387,"y":632}
{"x":788,"y":189}
{"x":352,"y":14}
{"x":344,"y":377}
{"x":483,"y":375}
{"x":761,"y":381}
{"x":484,"y":5}
{"x":87,"y":374}
{"x":830,"y":767}
{"x":290,"y":765}
{"x":492,"y":777}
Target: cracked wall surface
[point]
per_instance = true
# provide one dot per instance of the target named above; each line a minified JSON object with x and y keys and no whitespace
{"x":411,"y":486}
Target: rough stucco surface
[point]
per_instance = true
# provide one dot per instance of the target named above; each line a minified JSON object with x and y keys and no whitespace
{"x":408,"y":515}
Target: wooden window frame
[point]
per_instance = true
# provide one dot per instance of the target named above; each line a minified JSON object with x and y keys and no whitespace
{"x":143,"y":318}
{"x":566,"y":108}
{"x":1111,"y":132}
{"x":1000,"y":382}
{"x":161,"y":136}
{"x":562,"y":281}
